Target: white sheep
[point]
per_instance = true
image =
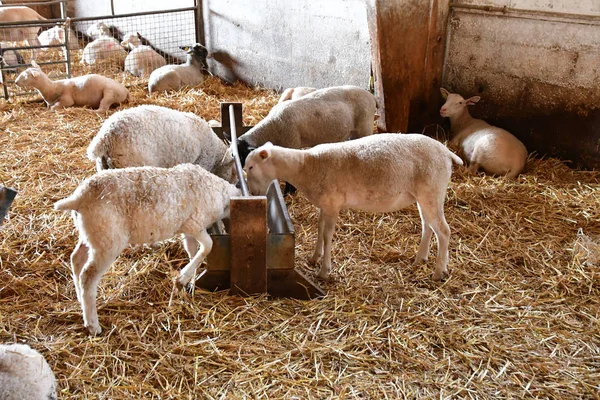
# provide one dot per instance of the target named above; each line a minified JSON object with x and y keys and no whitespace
{"x":174,"y":77}
{"x":295,"y":93}
{"x":25,"y":374}
{"x":104,"y":47}
{"x":24,"y":33}
{"x":159,"y":137}
{"x":55,"y":36}
{"x":378,"y":173}
{"x":141,"y":205}
{"x":91,"y":90}
{"x":327,"y":115}
{"x":142,"y":60}
{"x":482,"y":145}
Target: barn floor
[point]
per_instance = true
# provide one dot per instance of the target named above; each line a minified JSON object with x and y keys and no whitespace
{"x":518,"y":316}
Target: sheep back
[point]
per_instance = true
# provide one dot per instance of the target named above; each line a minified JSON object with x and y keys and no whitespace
{"x":25,"y":374}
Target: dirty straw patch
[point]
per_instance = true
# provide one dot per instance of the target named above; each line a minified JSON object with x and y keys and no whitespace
{"x":518,"y":316}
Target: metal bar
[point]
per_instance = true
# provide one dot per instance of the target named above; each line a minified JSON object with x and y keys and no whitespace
{"x":539,"y":15}
{"x":33,"y":47}
{"x":19,"y":24}
{"x":36,"y":3}
{"x":199,"y":20}
{"x":236,"y":155}
{"x":67,"y":29}
{"x":139,"y":14}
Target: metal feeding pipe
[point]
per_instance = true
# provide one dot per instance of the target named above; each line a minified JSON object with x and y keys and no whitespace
{"x":236,"y":155}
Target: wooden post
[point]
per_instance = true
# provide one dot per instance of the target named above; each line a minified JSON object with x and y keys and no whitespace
{"x":408,"y":39}
{"x":248,"y":238}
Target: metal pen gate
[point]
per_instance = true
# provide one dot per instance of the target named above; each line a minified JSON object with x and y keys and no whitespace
{"x":164,"y":31}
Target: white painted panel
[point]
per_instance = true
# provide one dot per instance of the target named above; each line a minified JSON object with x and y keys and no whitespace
{"x":583,"y":7}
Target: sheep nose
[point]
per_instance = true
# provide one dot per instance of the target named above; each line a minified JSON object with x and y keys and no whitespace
{"x":443,"y":109}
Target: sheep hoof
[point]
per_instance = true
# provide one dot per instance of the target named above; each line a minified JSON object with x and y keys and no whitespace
{"x":93,"y":330}
{"x":440,"y":276}
{"x":314,"y":260}
{"x":419,"y":261}
{"x":323,"y":273}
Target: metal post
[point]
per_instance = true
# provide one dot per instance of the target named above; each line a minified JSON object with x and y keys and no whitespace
{"x":236,"y":155}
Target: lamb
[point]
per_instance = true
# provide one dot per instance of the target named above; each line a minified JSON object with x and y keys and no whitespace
{"x":104,"y":47}
{"x":23,"y":33}
{"x":91,"y":90}
{"x":160,"y":137}
{"x":482,"y":145}
{"x":379,"y":173}
{"x":327,"y":115}
{"x":142,"y":60}
{"x":25,"y":374}
{"x":174,"y":77}
{"x":141,"y":205}
{"x":295,"y":93}
{"x":55,"y":36}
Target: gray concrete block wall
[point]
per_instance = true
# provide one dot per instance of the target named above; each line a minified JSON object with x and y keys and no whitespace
{"x":280,"y":43}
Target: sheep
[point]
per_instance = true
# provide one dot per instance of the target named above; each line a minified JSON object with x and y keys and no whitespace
{"x":56,"y":36}
{"x":10,"y":58}
{"x":160,"y":137}
{"x":482,"y":145}
{"x":103,"y":47}
{"x":295,"y":93}
{"x":142,"y":60}
{"x":26,"y":33}
{"x":173,"y":77}
{"x":327,"y":115}
{"x":91,"y":90}
{"x":379,"y":173}
{"x":141,"y":205}
{"x":25,"y":374}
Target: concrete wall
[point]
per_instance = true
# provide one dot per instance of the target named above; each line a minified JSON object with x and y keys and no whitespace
{"x":282,"y":43}
{"x":538,"y":71}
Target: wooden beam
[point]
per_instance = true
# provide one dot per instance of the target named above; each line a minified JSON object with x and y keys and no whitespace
{"x":248,"y":238}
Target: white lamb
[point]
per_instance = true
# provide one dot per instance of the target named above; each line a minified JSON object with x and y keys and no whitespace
{"x":379,"y":173}
{"x":95,"y":91}
{"x":480,"y":144}
{"x":25,"y":374}
{"x":23,"y":33}
{"x":142,"y":60}
{"x":141,"y":205}
{"x":56,"y":36}
{"x":174,"y":77}
{"x":295,"y":93}
{"x":105,"y":47}
{"x":327,"y":115}
{"x":159,"y":137}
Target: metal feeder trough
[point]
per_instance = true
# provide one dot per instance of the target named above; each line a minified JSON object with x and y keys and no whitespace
{"x":256,"y":255}
{"x":7,"y":195}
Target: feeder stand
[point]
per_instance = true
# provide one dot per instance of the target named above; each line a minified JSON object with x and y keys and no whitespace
{"x":257,"y":254}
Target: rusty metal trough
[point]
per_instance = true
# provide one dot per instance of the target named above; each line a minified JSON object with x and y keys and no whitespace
{"x":257,"y":254}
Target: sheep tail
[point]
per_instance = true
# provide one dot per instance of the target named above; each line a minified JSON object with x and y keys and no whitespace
{"x":69,"y":203}
{"x":455,"y":158}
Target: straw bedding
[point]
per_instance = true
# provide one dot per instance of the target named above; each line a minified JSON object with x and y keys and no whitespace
{"x":518,"y":316}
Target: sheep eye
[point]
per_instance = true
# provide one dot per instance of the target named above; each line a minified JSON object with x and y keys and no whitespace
{"x":250,"y":168}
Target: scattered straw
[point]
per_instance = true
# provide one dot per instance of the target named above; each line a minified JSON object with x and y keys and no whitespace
{"x":517,"y":318}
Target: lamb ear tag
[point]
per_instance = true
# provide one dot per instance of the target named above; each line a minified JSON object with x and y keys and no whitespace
{"x":263,"y":154}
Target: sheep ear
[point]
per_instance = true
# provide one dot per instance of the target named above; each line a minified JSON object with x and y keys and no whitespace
{"x":269,"y":144}
{"x":445,"y":93}
{"x":473,"y":100}
{"x":35,"y":74}
{"x":264,"y":154}
{"x":34,"y":64}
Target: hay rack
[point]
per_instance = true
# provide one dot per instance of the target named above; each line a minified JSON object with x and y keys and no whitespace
{"x":256,"y":254}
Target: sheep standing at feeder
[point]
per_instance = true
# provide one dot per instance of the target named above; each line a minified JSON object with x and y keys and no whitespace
{"x":295,"y":93}
{"x":379,"y":173}
{"x":482,"y":145}
{"x":159,"y":137}
{"x":104,"y":47}
{"x":174,"y":77}
{"x":25,"y":374}
{"x":23,"y":33}
{"x":141,"y":205}
{"x":95,"y":91}
{"x":142,"y":60}
{"x":327,"y":115}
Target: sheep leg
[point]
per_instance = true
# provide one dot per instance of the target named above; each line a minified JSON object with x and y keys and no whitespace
{"x":426,"y":232}
{"x":328,"y":230}
{"x":78,"y":258}
{"x":190,"y":244}
{"x":89,"y":277}
{"x":108,"y":99}
{"x":33,"y":40}
{"x":189,"y":271}
{"x":318,"y":254}
{"x":433,"y":215}
{"x":473,"y":168}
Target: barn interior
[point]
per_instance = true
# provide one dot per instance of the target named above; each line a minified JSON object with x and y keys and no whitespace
{"x":518,"y":315}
